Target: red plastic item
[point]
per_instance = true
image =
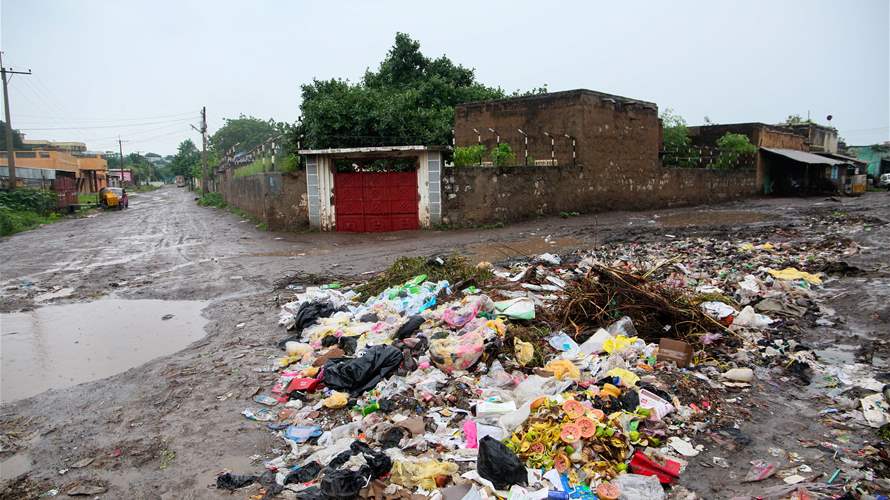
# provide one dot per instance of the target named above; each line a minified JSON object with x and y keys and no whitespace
{"x":643,"y":465}
{"x":302,"y":384}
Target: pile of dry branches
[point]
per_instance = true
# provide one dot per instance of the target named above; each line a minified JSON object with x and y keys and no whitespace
{"x":605,"y":294}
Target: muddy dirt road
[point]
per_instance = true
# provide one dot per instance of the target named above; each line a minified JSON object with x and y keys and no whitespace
{"x":165,"y":428}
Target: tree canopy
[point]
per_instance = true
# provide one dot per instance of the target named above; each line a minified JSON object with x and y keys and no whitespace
{"x":244,"y":133}
{"x":410,"y":99}
{"x":16,"y":137}
{"x":185,"y":160}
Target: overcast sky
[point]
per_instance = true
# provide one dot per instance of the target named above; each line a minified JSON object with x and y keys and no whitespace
{"x":143,"y":69}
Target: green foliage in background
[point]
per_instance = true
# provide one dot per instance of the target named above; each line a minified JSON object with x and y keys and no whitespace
{"x":466,"y":156}
{"x":185,"y":160}
{"x":410,"y":99}
{"x":243,"y":133}
{"x":678,"y":150}
{"x":16,"y":137}
{"x":502,"y":155}
{"x":732,"y":148}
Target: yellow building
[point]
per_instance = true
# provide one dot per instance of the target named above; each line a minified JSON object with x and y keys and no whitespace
{"x":88,"y":170}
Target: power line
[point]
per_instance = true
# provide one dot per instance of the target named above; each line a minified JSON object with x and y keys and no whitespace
{"x":118,"y":125}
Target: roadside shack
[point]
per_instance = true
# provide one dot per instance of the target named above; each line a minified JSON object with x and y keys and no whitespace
{"x":792,"y":172}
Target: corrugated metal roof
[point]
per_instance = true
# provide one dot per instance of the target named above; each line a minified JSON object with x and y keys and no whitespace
{"x":804,"y":157}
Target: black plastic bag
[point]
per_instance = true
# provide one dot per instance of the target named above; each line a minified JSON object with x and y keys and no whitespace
{"x":358,"y":375}
{"x":500,"y":465}
{"x":345,"y":483}
{"x":392,"y":437}
{"x":410,"y":327}
{"x":232,"y":482}
{"x":304,"y":474}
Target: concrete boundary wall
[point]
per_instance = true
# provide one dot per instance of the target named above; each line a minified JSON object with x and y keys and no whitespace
{"x":275,"y":198}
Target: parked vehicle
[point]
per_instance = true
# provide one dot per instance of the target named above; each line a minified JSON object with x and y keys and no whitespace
{"x":884,"y":181}
{"x":180,"y":181}
{"x":113,"y":197}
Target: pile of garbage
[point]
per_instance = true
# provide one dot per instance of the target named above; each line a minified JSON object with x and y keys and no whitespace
{"x":589,"y":375}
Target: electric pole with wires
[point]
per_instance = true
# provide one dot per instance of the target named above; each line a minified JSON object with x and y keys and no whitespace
{"x":10,"y":145}
{"x":203,"y":131}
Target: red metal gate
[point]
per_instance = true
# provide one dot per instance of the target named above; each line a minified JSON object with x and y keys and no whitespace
{"x":373,"y":202}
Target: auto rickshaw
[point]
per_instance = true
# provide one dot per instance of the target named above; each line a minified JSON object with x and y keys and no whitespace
{"x":113,"y":198}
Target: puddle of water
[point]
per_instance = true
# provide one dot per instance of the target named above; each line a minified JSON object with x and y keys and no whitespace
{"x":60,"y":346}
{"x":494,"y":252}
{"x":15,"y":466}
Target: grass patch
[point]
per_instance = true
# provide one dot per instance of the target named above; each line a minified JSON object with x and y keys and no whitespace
{"x":145,"y":188}
{"x":87,"y":198}
{"x":212,"y":200}
{"x":457,"y":269}
{"x":16,"y":221}
{"x":257,"y":167}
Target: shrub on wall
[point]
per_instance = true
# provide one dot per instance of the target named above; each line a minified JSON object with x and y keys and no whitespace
{"x":733,"y":147}
{"x":469,"y":155}
{"x":502,"y":155}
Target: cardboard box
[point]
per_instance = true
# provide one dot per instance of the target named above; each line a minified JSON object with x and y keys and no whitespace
{"x":674,"y":350}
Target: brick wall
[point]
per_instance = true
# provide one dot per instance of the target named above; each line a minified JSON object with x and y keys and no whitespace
{"x":277,"y":199}
{"x":617,"y":167}
{"x":477,"y":195}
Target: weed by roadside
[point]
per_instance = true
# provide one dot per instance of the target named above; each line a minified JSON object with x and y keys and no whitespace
{"x":456,"y":269}
{"x":144,"y":188}
{"x":212,"y":200}
{"x":16,"y":221}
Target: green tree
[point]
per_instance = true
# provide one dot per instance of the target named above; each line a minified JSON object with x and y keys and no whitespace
{"x":678,"y":149}
{"x":185,"y":160}
{"x":244,"y":133}
{"x":733,"y":150}
{"x":410,"y":99}
{"x":16,"y":138}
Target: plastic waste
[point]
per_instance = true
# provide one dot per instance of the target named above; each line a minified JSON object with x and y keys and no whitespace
{"x":658,"y":406}
{"x":759,"y":471}
{"x":566,"y":344}
{"x":750,"y":319}
{"x":301,"y":433}
{"x":717,"y":309}
{"x":423,"y":474}
{"x":639,"y":487}
{"x":410,"y":327}
{"x":518,"y":308}
{"x":462,"y":314}
{"x":303,"y":474}
{"x":563,"y":368}
{"x":595,"y":343}
{"x":665,"y":471}
{"x":358,"y":375}
{"x":618,"y":343}
{"x":231,"y":482}
{"x":739,"y":374}
{"x":548,"y":258}
{"x":457,"y":352}
{"x":336,"y":400}
{"x":500,"y":465}
{"x":792,"y":274}
{"x":485,"y":409}
{"x":339,"y":480}
{"x":624,"y":326}
{"x":524,"y":351}
{"x":627,"y":377}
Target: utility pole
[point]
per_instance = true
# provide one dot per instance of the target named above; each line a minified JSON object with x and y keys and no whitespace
{"x":120,"y":144}
{"x":203,"y":131}
{"x":10,"y":146}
